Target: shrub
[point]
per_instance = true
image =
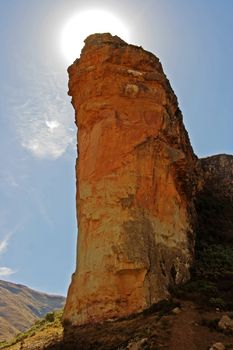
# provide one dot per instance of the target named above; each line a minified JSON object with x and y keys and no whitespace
{"x":50,"y":317}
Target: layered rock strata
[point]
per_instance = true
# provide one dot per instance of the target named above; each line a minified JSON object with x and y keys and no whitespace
{"x":136,"y":178}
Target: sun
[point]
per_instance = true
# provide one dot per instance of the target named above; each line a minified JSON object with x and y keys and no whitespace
{"x":85,"y":23}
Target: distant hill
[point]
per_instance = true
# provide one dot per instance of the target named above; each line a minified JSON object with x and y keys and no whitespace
{"x":20,"y":306}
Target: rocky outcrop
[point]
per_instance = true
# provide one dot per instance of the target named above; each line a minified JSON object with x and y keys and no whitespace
{"x":214,"y":202}
{"x":136,"y":178}
{"x":226,"y":324}
{"x":218,"y":174}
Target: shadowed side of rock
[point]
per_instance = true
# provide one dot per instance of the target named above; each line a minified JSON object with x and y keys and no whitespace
{"x":136,"y":179}
{"x":215,"y":200}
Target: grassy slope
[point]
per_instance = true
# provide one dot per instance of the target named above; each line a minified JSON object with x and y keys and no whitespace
{"x":44,"y":331}
{"x":21,"y":306}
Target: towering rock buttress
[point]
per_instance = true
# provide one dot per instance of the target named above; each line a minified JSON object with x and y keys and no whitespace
{"x":136,"y":176}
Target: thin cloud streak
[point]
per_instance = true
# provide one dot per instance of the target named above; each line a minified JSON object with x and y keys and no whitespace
{"x":6,"y":271}
{"x":4,"y":244}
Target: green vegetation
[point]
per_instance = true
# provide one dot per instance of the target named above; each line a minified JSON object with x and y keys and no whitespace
{"x":212,"y":275}
{"x":51,"y":320}
{"x":20,"y":306}
{"x":50,"y":317}
{"x":214,"y":260}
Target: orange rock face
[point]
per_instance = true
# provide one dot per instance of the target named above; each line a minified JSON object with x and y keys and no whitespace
{"x":135,"y":183}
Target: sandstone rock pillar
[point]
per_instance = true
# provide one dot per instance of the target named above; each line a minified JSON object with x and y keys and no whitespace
{"x":135,"y":182}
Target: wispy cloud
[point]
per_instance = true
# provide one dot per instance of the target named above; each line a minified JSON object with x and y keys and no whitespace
{"x":6,"y":271}
{"x":4,"y":244}
{"x":43,"y":115}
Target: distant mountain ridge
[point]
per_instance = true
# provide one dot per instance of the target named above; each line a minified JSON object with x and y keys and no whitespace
{"x":20,"y":306}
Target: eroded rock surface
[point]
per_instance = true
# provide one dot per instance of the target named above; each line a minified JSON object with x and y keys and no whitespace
{"x":218,"y":174}
{"x":136,"y":178}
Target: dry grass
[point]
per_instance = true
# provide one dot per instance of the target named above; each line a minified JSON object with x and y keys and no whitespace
{"x":42,"y":333}
{"x":20,"y":307}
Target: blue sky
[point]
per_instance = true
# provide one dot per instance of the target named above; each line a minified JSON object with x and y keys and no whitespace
{"x":193,"y":40}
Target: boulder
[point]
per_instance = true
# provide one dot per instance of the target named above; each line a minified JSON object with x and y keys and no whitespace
{"x":226,"y":323}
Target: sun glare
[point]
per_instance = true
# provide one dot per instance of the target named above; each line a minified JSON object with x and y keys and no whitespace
{"x":86,"y":23}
